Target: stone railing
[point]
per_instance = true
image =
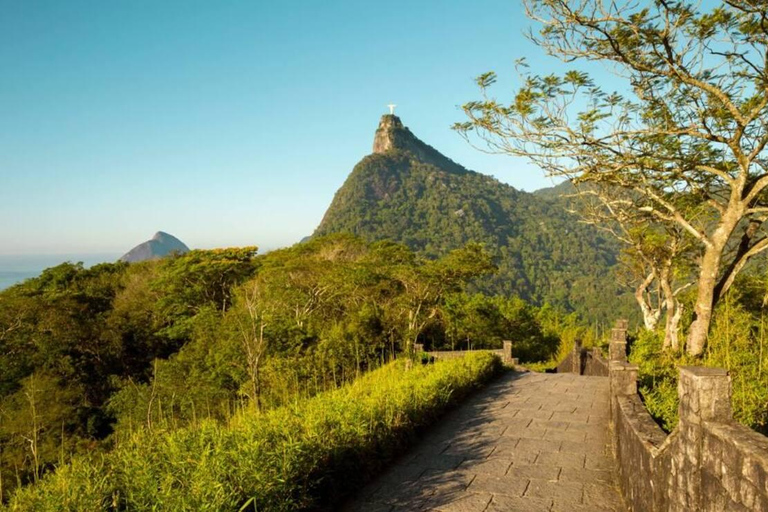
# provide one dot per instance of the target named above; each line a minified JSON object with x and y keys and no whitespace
{"x":505,"y":352}
{"x":584,"y":362}
{"x":708,"y":463}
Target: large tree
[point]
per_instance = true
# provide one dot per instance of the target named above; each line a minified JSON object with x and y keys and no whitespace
{"x":685,"y":134}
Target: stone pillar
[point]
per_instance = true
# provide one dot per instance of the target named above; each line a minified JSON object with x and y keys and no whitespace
{"x":418,"y":348}
{"x":623,"y":378}
{"x":623,"y":382}
{"x":576,"y":358}
{"x":506,"y":352}
{"x":705,"y":395}
{"x":618,"y":347}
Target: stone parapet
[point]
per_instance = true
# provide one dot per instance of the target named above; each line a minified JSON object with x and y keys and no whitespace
{"x":504,"y":353}
{"x":708,"y":463}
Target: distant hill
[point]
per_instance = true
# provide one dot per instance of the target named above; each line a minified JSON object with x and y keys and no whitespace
{"x":159,"y":246}
{"x":408,"y":192}
{"x":556,"y":192}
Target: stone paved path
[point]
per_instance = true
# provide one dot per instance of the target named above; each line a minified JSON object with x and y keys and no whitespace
{"x":529,"y":442}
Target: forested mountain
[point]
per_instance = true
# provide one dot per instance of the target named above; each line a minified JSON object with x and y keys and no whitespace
{"x":408,"y":192}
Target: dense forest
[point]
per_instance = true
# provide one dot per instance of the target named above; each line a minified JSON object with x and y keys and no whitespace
{"x":89,"y":356}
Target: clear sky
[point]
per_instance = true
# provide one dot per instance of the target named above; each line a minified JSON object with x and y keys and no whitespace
{"x":224,"y":123}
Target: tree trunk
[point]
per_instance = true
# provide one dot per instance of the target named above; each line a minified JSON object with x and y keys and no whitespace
{"x":670,"y":338}
{"x":672,"y":330}
{"x":705,"y":297}
{"x":650,"y":315}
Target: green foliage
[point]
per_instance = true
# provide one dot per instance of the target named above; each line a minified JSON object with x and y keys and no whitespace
{"x":735,"y":343}
{"x":78,"y":333}
{"x":305,"y":456}
{"x":543,"y":254}
{"x":478,"y":321}
{"x":178,"y":343}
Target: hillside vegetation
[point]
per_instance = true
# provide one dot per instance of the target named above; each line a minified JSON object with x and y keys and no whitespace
{"x":90,"y":357}
{"x":411,"y":194}
{"x":302,"y":456}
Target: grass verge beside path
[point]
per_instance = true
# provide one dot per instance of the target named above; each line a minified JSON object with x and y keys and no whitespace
{"x":304,"y":457}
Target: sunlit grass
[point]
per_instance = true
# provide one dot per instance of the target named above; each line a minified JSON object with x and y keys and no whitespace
{"x":305,"y":456}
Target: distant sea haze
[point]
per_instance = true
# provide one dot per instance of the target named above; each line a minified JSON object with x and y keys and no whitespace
{"x":18,"y":267}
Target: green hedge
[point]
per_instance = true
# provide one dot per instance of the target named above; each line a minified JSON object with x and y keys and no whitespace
{"x":301,"y":457}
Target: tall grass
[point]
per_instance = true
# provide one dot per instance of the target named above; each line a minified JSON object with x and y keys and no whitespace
{"x":304,"y":456}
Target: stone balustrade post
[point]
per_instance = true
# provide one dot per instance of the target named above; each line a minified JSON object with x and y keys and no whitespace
{"x":576,"y":358}
{"x":622,"y":382}
{"x":507,"y":352}
{"x":618,"y":347}
{"x":623,"y":378}
{"x":705,"y":395}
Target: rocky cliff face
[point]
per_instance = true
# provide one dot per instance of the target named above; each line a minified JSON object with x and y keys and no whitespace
{"x":392,"y":135}
{"x":159,"y":246}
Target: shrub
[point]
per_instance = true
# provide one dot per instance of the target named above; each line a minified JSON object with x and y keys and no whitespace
{"x":299,"y":457}
{"x":735,"y":343}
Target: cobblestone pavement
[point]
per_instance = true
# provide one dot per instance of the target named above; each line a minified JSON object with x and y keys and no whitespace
{"x":528,"y":442}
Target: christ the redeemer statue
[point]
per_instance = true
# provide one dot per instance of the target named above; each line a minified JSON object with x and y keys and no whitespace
{"x":391,"y":109}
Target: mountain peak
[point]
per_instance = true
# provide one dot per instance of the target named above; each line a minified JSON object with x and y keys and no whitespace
{"x":160,"y":245}
{"x":391,"y":134}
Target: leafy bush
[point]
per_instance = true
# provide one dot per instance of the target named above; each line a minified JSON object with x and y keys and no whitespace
{"x":735,"y":343}
{"x":298,"y":457}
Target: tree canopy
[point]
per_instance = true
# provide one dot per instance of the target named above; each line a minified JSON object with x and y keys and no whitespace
{"x":684,"y":136}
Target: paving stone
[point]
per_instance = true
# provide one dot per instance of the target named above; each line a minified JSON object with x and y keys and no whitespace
{"x":436,"y":479}
{"x":501,"y":503}
{"x":565,"y":506}
{"x":465,"y":502}
{"x":529,"y":471}
{"x":498,"y":485}
{"x":532,"y":431}
{"x":515,"y":425}
{"x":478,"y":450}
{"x":552,"y":424}
{"x":565,"y":407}
{"x":516,"y":454}
{"x":570,"y":492}
{"x":600,"y":495}
{"x":598,"y":461}
{"x":583,"y":447}
{"x":402,"y":473}
{"x":564,"y":435}
{"x":580,"y":427}
{"x":561,"y":460}
{"x":587,"y":476}
{"x":496,"y":466}
{"x":547,"y":445}
{"x":405,"y":494}
{"x":570,"y":417}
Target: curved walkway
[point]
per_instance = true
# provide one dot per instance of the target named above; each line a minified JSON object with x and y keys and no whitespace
{"x":528,"y":442}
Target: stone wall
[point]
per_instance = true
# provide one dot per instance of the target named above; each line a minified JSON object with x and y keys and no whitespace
{"x":708,"y":463}
{"x":593,"y":363}
{"x":584,"y":362}
{"x":505,"y":353}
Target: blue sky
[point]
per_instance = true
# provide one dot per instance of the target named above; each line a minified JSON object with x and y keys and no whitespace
{"x":225,"y":123}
